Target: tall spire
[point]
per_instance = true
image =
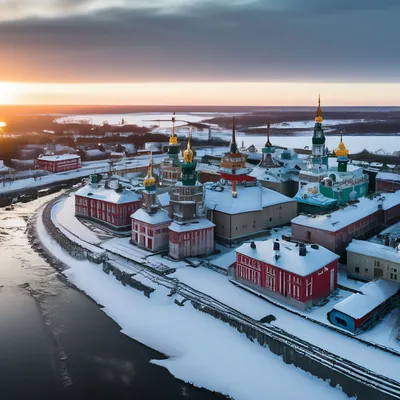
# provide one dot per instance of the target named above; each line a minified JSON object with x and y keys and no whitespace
{"x":173,"y":139}
{"x":268,"y":144}
{"x":318,"y":113}
{"x":150,"y":171}
{"x":233,"y":145}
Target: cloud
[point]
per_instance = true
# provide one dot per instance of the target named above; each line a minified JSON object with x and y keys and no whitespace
{"x":242,"y":40}
{"x":22,"y":9}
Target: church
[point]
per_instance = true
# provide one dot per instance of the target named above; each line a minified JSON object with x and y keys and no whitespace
{"x":327,"y":183}
{"x":171,"y":167}
{"x":150,"y":222}
{"x":239,"y":206}
{"x":191,"y":234}
{"x":278,"y":169}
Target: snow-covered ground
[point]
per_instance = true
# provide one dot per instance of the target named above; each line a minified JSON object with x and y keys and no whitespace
{"x":63,"y":215}
{"x":202,"y":350}
{"x":219,"y":287}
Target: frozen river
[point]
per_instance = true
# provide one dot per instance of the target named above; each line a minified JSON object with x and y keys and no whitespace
{"x":55,"y":343}
{"x":161,"y":122}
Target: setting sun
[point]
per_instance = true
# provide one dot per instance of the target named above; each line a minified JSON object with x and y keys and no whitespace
{"x":6,"y":93}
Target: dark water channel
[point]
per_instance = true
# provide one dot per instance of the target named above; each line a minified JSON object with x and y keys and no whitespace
{"x":55,"y":343}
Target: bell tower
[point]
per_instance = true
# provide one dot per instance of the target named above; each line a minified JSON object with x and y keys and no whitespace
{"x":318,"y":153}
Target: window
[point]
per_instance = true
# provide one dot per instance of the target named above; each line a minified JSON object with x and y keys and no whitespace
{"x":308,"y":236}
{"x":357,"y":270}
{"x":270,"y":219}
{"x":366,"y":269}
{"x":341,"y":321}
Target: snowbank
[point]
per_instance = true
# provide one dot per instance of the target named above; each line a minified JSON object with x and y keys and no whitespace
{"x":202,"y":350}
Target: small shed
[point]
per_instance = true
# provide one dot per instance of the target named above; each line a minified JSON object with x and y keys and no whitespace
{"x":359,"y":311}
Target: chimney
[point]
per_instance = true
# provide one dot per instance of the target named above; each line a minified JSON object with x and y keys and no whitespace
{"x":387,"y":241}
{"x":277,"y":247}
{"x":253,"y":245}
{"x":302,"y":250}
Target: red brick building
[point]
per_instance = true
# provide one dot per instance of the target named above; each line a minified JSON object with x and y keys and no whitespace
{"x":360,"y":220}
{"x":61,"y":163}
{"x":110,"y":206}
{"x":299,"y":275}
{"x":387,"y":182}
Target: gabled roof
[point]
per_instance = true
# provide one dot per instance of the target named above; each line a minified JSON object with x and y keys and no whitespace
{"x":372,"y":295}
{"x":289,"y":258}
{"x":99,"y":192}
{"x":61,"y":157}
{"x":339,"y":219}
{"x":160,"y":217}
{"x":374,"y":250}
{"x":252,"y":198}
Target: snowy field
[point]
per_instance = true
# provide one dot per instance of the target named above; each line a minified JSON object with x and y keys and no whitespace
{"x":202,"y":350}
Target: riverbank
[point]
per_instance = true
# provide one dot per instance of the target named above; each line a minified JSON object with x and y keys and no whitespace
{"x":58,"y":341}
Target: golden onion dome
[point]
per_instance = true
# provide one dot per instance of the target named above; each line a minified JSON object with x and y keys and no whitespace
{"x":149,"y":181}
{"x":188,"y":153}
{"x":341,"y":151}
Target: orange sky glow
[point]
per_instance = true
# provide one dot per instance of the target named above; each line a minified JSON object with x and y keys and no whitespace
{"x":201,"y":93}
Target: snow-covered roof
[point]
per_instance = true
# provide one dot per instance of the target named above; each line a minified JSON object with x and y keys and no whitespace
{"x":93,"y":191}
{"x":191,"y":225}
{"x":289,"y":258}
{"x":372,"y":295}
{"x":160,"y":217}
{"x":61,"y":157}
{"x":374,"y":250}
{"x":224,"y":260}
{"x":163,"y":198}
{"x":252,"y":198}
{"x":346,"y":216}
{"x":276,"y":175}
{"x":387,"y":176}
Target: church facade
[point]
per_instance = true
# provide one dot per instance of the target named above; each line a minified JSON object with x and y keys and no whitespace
{"x":191,"y":234}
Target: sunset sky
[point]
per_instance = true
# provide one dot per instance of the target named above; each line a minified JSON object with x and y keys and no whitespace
{"x":211,"y":52}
